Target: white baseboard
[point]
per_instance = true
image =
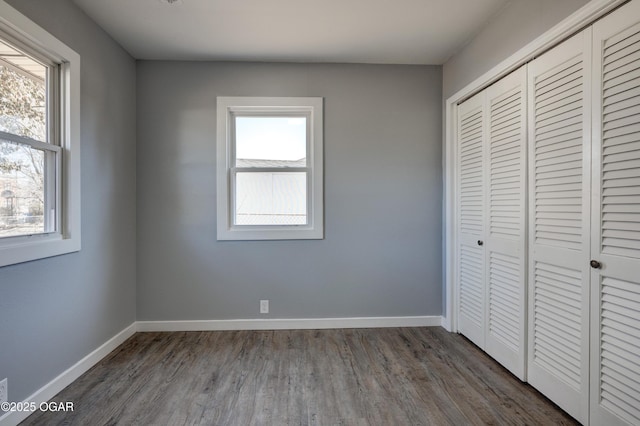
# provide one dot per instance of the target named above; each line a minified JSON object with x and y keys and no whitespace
{"x":290,"y":324}
{"x":52,"y":388}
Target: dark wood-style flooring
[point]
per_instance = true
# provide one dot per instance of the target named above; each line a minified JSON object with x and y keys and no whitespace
{"x":395,"y":376}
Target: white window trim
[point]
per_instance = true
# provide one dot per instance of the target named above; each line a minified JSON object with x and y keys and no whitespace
{"x":226,"y":107}
{"x":67,"y":239}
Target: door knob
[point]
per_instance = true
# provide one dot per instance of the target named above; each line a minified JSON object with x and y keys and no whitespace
{"x":480,"y":242}
{"x":595,"y":264}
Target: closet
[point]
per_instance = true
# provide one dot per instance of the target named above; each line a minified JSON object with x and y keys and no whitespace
{"x":492,"y":135}
{"x":615,"y":219}
{"x":559,"y":238}
{"x":548,"y":221}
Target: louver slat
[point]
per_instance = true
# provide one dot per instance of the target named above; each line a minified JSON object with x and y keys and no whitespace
{"x":557,"y":301}
{"x":621,"y":148}
{"x":558,"y":157}
{"x":620,"y":348}
{"x":505,"y":157}
{"x":471,"y":287}
{"x":504,"y":289}
{"x":471,"y":189}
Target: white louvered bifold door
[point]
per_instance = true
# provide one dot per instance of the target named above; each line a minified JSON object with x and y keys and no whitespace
{"x":559,"y":185}
{"x":471,"y":218}
{"x":615,"y":333}
{"x":505,"y":319}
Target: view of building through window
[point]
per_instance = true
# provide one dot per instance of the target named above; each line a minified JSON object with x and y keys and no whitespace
{"x":23,"y":116}
{"x":265,"y":196}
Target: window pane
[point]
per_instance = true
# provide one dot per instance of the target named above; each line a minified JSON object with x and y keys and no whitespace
{"x":271,"y":141}
{"x":271,"y":198}
{"x":22,"y":94}
{"x":22,"y":197}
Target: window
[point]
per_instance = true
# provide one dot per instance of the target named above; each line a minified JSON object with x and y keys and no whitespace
{"x":269,"y":168}
{"x":39,"y":136}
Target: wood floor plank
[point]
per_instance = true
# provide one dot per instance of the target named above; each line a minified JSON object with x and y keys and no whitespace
{"x":395,"y":376}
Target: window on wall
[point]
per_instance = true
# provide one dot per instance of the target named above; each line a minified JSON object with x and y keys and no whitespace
{"x":39,"y":153}
{"x":29,"y":158}
{"x":269,"y":168}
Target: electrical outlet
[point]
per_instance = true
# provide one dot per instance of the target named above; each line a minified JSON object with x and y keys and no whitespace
{"x":264,"y":306}
{"x":4,"y":391}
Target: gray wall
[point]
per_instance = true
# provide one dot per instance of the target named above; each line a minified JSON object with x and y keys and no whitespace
{"x":517,"y":24}
{"x":53,"y":312}
{"x":383,"y":186}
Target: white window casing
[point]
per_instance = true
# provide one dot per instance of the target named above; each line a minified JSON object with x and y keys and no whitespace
{"x":62,"y":148}
{"x":307,"y":176}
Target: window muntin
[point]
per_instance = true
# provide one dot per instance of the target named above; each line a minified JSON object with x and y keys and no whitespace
{"x":269,"y":168}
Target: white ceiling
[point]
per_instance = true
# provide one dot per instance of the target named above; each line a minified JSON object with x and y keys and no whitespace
{"x":360,"y":31}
